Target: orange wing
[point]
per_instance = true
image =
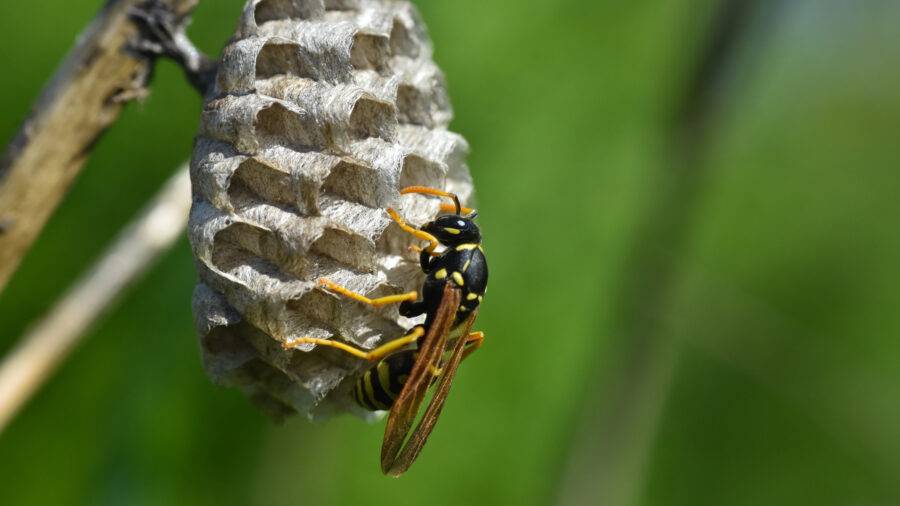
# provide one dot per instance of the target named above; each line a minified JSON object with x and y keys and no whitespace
{"x":403,"y":413}
{"x":418,"y":438}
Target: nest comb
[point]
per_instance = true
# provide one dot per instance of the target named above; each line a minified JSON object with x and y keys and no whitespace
{"x":320,"y":113}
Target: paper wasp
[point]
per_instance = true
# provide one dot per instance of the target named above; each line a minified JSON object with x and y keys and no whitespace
{"x":455,"y":282}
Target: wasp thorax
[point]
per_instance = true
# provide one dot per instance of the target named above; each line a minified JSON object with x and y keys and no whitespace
{"x":321,"y":112}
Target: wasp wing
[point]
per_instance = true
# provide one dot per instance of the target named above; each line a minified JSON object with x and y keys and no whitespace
{"x":405,"y":408}
{"x":420,"y":435}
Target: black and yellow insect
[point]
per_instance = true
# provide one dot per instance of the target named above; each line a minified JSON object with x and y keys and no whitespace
{"x":456,"y":279}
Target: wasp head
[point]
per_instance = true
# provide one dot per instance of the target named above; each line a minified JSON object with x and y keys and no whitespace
{"x":452,"y":230}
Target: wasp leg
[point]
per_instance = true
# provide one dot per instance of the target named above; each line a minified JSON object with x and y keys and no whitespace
{"x":425,"y":258}
{"x":420,"y":234}
{"x":413,"y":309}
{"x":372,"y":355}
{"x":380,"y":301}
{"x":419,"y":250}
{"x":431,"y":191}
{"x":473,"y":341}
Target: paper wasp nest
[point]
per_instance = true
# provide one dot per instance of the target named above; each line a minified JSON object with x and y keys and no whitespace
{"x":321,"y":112}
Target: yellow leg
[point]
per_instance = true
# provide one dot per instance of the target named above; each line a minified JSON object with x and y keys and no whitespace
{"x":420,"y":234}
{"x":380,"y":301}
{"x":431,"y":191}
{"x":417,"y":249}
{"x":372,"y":355}
{"x":473,"y":341}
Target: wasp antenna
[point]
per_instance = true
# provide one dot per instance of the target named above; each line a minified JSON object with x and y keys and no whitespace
{"x":431,"y":191}
{"x":451,"y":207}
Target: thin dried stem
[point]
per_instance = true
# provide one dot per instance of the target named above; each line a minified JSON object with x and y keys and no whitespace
{"x":83,"y":99}
{"x":45,"y":346}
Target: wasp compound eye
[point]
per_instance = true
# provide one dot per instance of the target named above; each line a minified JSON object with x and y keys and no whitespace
{"x":315,"y":118}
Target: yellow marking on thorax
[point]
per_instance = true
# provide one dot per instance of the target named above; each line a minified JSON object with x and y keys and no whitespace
{"x":472,"y":296}
{"x":441,"y":274}
{"x":454,"y":231}
{"x":466,"y":266}
{"x":458,"y":278}
{"x":468,"y":246}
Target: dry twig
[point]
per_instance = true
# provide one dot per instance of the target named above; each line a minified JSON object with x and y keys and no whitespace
{"x":26,"y":367}
{"x":81,"y":101}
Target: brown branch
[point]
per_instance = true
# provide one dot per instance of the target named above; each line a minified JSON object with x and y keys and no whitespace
{"x":45,"y":346}
{"x":82,"y":100}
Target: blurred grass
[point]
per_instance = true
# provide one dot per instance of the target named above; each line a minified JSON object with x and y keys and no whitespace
{"x":783,"y":391}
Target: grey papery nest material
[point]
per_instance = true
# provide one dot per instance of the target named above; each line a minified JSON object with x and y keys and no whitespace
{"x":321,"y":112}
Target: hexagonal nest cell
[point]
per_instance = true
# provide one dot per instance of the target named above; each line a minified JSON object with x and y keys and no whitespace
{"x":321,"y":112}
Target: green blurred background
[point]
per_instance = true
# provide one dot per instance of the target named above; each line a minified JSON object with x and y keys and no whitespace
{"x":690,"y":210}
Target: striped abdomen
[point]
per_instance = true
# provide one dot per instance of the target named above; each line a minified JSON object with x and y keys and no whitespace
{"x":379,"y":387}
